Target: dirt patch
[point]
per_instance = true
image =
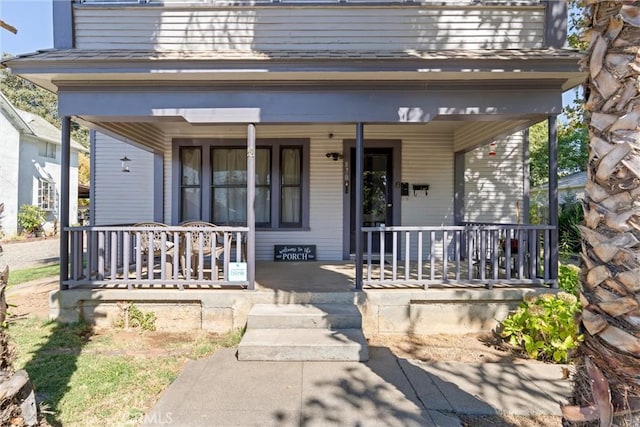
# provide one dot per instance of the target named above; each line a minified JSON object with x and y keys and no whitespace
{"x":467,"y":348}
{"x":31,"y":299}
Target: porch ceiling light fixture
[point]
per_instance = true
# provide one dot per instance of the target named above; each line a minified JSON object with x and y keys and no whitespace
{"x":125,"y":163}
{"x":334,"y":155}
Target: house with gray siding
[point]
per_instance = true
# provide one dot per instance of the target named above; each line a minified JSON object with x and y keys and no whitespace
{"x":30,"y":168}
{"x":384,"y":142}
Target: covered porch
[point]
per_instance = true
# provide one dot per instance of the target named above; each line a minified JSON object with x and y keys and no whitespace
{"x":426,"y":110}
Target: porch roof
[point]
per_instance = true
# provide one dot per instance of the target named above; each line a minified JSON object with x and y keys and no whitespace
{"x":49,"y":67}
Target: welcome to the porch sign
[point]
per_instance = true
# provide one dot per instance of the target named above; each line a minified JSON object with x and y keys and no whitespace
{"x":292,"y":253}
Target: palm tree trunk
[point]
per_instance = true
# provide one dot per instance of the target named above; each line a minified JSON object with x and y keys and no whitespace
{"x":608,"y":380}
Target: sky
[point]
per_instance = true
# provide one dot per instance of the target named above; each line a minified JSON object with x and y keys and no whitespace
{"x":33,"y":20}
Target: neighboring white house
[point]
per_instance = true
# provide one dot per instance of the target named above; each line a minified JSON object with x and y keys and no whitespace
{"x":568,"y":186}
{"x":30,"y":167}
{"x":570,"y":189}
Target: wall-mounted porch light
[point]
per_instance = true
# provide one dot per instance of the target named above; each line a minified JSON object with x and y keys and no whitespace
{"x":335,"y":156}
{"x":125,"y":163}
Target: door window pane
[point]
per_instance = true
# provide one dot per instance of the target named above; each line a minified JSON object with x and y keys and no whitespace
{"x":291,"y":189}
{"x":190,"y":178}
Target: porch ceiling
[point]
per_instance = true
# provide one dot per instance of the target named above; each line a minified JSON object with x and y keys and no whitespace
{"x":466,"y":134}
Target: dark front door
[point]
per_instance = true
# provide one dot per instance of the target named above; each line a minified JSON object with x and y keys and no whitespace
{"x":377,"y":193}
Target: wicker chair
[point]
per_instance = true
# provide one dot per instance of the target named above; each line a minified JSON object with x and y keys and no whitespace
{"x":154,"y":247}
{"x":212,"y":245}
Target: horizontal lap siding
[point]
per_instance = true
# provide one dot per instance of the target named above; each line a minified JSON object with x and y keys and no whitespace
{"x":325,"y":198}
{"x":427,"y":159}
{"x":119,"y":197}
{"x":309,"y":28}
{"x":494,"y":184}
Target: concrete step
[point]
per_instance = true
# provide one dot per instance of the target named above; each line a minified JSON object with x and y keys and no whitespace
{"x":300,"y":316}
{"x":303,"y":345}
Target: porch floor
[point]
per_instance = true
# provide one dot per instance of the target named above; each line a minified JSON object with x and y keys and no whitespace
{"x":339,"y":276}
{"x":333,"y":276}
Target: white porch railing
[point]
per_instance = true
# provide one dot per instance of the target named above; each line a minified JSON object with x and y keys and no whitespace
{"x":175,"y":256}
{"x":471,"y":254}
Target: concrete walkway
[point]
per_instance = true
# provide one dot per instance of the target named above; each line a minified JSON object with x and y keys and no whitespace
{"x":20,"y":255}
{"x":386,"y":391}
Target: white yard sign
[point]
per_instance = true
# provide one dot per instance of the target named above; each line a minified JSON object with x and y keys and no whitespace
{"x":237,"y":271}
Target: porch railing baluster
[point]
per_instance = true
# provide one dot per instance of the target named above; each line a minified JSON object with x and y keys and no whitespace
{"x":126,"y":253}
{"x":507,"y":253}
{"x":201,"y":250}
{"x":138,"y":256}
{"x":445,"y":256}
{"x":420,"y":257}
{"x":187,"y":259}
{"x":101,"y":254}
{"x":176,"y":259}
{"x":469,"y":234}
{"x":432,"y":255}
{"x":494,"y":255}
{"x":533,"y":257}
{"x":382,"y":251}
{"x":113,"y":249}
{"x":369,"y":263}
{"x":547,"y":255}
{"x":483,"y":254}
{"x":457,"y":249}
{"x":394,"y":254}
{"x":163,"y":256}
{"x":226,"y":255}
{"x":407,"y":255}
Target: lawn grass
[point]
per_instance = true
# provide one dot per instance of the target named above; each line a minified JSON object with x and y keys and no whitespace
{"x":109,"y":378}
{"x":28,"y":274}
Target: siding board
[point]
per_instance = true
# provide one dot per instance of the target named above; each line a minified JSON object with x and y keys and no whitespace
{"x":494,"y":187}
{"x":121,"y":198}
{"x":309,"y":28}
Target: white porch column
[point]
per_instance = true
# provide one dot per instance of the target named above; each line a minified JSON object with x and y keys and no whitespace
{"x":65,"y":166}
{"x":251,"y":209}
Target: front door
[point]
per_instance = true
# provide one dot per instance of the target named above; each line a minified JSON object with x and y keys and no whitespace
{"x":377,"y":193}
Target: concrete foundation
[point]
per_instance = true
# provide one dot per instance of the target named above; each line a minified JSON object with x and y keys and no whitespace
{"x":383,"y":311}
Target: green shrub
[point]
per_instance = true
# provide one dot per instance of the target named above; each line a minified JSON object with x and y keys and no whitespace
{"x":132,"y":317}
{"x":568,"y":278}
{"x":571,"y":215}
{"x":537,"y":214}
{"x":544,"y":327}
{"x":31,"y":218}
